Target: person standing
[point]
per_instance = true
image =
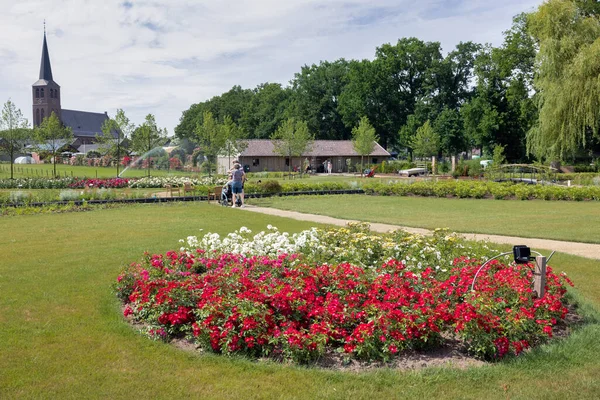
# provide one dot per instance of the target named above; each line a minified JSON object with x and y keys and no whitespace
{"x":329,"y":167}
{"x":237,"y":185}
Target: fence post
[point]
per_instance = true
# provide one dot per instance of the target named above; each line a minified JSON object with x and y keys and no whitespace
{"x":539,"y":276}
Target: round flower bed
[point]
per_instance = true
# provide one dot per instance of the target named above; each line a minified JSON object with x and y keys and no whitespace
{"x":288,"y":306}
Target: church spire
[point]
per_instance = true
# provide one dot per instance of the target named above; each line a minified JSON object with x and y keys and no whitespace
{"x":45,"y":68}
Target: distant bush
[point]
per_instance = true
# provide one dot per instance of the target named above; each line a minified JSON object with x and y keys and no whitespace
{"x":270,"y":187}
{"x":68,"y":195}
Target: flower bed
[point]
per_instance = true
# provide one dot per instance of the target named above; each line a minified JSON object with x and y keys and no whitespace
{"x":176,"y":181}
{"x":242,"y":295}
{"x":112,"y":183}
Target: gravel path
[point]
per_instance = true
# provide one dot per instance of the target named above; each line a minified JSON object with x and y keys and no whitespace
{"x":578,"y":249}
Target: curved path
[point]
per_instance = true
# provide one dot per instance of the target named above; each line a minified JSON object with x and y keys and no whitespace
{"x":578,"y":249}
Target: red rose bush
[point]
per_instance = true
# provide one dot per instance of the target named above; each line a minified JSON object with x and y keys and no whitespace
{"x":295,"y":306}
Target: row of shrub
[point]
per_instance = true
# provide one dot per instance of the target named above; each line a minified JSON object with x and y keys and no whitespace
{"x":483,"y":189}
{"x":426,"y":188}
{"x":26,"y":198}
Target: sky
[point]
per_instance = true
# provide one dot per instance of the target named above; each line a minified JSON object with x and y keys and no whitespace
{"x":160,"y":57}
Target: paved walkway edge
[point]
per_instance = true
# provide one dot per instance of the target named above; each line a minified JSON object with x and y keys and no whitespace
{"x":575,"y":248}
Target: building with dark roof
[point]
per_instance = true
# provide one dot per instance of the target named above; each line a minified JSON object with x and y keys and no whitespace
{"x":260,"y":155}
{"x":46,"y":96}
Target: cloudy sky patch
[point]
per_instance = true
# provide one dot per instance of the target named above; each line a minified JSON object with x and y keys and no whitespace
{"x":160,"y":57}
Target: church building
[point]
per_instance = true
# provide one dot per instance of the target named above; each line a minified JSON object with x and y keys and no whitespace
{"x":46,"y":96}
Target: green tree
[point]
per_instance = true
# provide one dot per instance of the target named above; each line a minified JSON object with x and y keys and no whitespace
{"x":266,"y":111}
{"x":426,"y":142}
{"x":501,"y":109}
{"x":498,"y":157}
{"x":315,"y":98}
{"x":14,"y":132}
{"x":292,"y":139}
{"x":364,"y":138}
{"x":114,"y":131}
{"x":567,"y":79}
{"x":387,"y":89}
{"x":51,"y":135}
{"x":589,"y":7}
{"x":211,"y":138}
{"x":234,"y":139}
{"x":449,"y":126}
{"x":148,"y":138}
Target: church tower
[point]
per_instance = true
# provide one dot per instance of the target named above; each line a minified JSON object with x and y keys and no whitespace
{"x":45,"y":92}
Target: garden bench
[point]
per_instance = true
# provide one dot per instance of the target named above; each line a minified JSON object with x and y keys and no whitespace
{"x":172,"y":189}
{"x":216,"y":193}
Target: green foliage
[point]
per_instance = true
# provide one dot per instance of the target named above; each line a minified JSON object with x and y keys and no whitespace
{"x":14,"y":132}
{"x":114,"y":131}
{"x":363,"y":139}
{"x":148,"y":137}
{"x":315,"y":93}
{"x":498,"y":158}
{"x":482,"y":189}
{"x":292,"y":139}
{"x":426,"y":142}
{"x":567,"y":80}
{"x":233,"y":137}
{"x":271,"y":186}
{"x":51,"y":136}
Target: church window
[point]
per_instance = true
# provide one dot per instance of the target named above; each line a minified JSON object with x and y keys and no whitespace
{"x":37,"y":116}
{"x":51,"y":93}
{"x":42,"y":93}
{"x":42,"y":113}
{"x":37,"y":93}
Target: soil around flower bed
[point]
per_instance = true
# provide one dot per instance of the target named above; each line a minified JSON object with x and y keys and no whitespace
{"x":452,"y":353}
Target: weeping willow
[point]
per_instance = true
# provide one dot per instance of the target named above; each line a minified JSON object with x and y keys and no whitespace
{"x":568,"y":79}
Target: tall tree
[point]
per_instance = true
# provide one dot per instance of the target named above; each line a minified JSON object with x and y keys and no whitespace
{"x":266,"y":111}
{"x":14,"y":132}
{"x":211,"y":138}
{"x":364,"y":138}
{"x":114,"y":131}
{"x":292,"y":139}
{"x":502,"y":110}
{"x":567,"y":79}
{"x":449,"y":126}
{"x":387,"y":89}
{"x":315,"y":99}
{"x":426,"y":142}
{"x":148,"y":137}
{"x":51,"y":135}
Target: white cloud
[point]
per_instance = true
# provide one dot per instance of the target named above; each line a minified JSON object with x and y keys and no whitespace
{"x":162,"y":56}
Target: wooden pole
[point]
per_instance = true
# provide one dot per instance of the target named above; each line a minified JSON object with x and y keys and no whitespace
{"x":539,"y":276}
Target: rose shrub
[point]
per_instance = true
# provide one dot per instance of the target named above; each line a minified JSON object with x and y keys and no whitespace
{"x":296,"y":306}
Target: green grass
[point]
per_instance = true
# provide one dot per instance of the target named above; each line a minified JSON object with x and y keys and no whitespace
{"x":560,"y":220}
{"x":46,"y":170}
{"x":62,"y":334}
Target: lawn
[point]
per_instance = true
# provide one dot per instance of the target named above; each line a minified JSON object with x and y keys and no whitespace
{"x":46,"y":170}
{"x":63,"y":335}
{"x":560,"y":220}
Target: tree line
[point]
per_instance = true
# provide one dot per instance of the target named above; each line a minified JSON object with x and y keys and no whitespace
{"x":516,"y":96}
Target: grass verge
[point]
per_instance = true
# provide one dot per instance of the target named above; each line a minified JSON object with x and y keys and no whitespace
{"x":559,"y":220}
